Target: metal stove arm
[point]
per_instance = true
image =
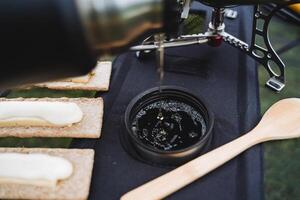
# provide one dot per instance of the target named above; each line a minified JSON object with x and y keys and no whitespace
{"x":264,"y":54}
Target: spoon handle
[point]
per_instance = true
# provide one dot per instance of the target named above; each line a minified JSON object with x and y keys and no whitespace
{"x":191,"y":171}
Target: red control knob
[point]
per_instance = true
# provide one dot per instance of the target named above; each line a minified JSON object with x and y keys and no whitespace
{"x":215,"y":41}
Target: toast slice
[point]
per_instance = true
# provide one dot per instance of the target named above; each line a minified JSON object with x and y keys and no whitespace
{"x":89,"y":127}
{"x":76,"y":187}
{"x":98,"y":81}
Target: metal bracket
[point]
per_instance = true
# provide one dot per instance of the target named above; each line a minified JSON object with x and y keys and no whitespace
{"x":267,"y":56}
{"x":231,"y":14}
{"x":264,"y":54}
{"x":186,"y":9}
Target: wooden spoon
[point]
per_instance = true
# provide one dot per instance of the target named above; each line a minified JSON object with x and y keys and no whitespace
{"x":281,"y":121}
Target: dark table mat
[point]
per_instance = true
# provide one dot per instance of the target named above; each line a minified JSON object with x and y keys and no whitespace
{"x":223,"y":77}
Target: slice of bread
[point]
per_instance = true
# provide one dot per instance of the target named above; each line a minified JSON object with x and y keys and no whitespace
{"x":89,"y":127}
{"x":76,"y":187}
{"x":99,"y":81}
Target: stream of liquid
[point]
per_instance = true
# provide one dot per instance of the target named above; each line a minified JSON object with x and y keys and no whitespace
{"x":160,"y":58}
{"x":160,"y":66}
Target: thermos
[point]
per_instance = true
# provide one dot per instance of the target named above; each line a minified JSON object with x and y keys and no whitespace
{"x":43,"y":40}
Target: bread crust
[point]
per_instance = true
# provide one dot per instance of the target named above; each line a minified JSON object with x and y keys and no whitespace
{"x":98,"y":82}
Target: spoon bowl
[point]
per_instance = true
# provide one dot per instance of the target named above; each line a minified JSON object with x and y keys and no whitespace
{"x":281,"y":121}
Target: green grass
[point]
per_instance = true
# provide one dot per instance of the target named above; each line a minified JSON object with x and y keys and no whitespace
{"x":42,"y":92}
{"x":282,"y":163}
{"x":35,"y":142}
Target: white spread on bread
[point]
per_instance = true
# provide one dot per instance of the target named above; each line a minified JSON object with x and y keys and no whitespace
{"x":39,"y":113}
{"x":33,"y":169}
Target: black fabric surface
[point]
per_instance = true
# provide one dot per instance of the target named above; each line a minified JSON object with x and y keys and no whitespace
{"x":223,"y":77}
